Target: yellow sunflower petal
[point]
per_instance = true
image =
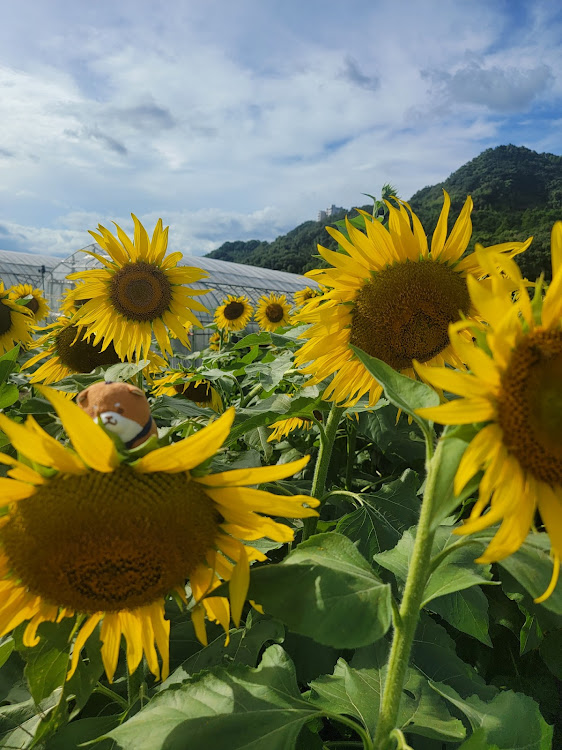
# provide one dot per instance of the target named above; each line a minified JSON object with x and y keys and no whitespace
{"x":556,"y":247}
{"x":460,"y":383}
{"x":238,"y":586}
{"x":480,"y":451}
{"x":258,"y":475}
{"x":440,"y":233}
{"x":190,"y":452}
{"x":92,"y":444}
{"x":110,"y":636}
{"x":198,"y":620}
{"x":40,"y":447}
{"x":85,"y":632}
{"x":553,"y":582}
{"x":246,"y":498}
{"x":461,"y":411}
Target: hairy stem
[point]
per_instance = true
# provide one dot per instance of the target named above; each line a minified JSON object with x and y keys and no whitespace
{"x":405,"y":626}
{"x":322,"y":464}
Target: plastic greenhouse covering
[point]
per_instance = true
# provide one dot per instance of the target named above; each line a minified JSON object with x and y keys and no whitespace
{"x":49,"y":273}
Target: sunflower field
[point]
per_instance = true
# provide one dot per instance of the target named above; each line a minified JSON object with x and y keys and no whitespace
{"x":338,"y":529}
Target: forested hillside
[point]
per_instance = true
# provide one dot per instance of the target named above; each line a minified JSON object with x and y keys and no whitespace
{"x":516,"y":192}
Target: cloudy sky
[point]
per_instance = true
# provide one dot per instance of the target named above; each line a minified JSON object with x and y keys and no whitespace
{"x":239,"y":119}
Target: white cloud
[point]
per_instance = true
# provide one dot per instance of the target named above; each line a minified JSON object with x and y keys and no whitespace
{"x":245,"y":127}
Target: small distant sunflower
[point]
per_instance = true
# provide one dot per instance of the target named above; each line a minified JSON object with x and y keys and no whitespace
{"x":284,"y":427}
{"x":216,"y":340}
{"x":109,"y":538}
{"x":15,"y":322}
{"x":391,"y":296}
{"x":68,"y":351}
{"x":234,"y":313}
{"x":140,"y":291}
{"x":201,"y":392}
{"x":273,"y":312}
{"x":69,"y":304}
{"x":306,"y":294}
{"x":515,"y":387}
{"x":36,"y":303}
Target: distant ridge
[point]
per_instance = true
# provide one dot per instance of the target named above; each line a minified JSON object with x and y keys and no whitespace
{"x":516,"y":192}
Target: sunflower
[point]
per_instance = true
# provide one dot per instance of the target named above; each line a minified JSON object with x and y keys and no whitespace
{"x":69,"y":304}
{"x":173,"y":383}
{"x":285,"y":426}
{"x":391,"y":296}
{"x":108,"y":538}
{"x":515,"y":388}
{"x":15,"y":322}
{"x":234,"y":313}
{"x":273,"y":312}
{"x":138,"y":292}
{"x":36,"y":303}
{"x":216,"y":340}
{"x":70,"y":351}
{"x":306,"y":294}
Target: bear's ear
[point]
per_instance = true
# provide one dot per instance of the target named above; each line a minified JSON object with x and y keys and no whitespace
{"x":82,"y":397}
{"x":134,"y":390}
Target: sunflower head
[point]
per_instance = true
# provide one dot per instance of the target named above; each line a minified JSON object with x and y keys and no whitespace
{"x":216,"y":340}
{"x":198,"y":390}
{"x":15,"y":322}
{"x":306,"y":294}
{"x":234,"y":313}
{"x":140,"y":291}
{"x":392,"y":295}
{"x":34,"y":300}
{"x":273,"y":311}
{"x":514,"y":387}
{"x":284,"y":427}
{"x":110,"y":536}
{"x":68,"y":350}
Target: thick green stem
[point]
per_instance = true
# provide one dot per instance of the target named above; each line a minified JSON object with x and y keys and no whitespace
{"x":351,"y":441}
{"x":249,"y":396}
{"x":322,"y":464}
{"x":405,"y":627}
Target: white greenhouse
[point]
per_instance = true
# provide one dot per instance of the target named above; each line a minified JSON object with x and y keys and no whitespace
{"x":49,"y":273}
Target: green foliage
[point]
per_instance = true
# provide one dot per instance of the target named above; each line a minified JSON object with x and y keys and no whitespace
{"x":517,"y":194}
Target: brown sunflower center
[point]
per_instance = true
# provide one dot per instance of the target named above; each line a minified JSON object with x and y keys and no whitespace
{"x":234,"y":310}
{"x":403,"y":312}
{"x":107,"y":542}
{"x":32,"y":304}
{"x":530,"y":405}
{"x":5,"y":318}
{"x":199,"y":392}
{"x":274,"y":312}
{"x":140,"y":291}
{"x":80,"y":355}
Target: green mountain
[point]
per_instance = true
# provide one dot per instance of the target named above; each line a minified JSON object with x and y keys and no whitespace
{"x":516,"y":192}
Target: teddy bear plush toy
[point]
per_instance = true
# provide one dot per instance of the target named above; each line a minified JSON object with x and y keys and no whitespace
{"x":121,"y":408}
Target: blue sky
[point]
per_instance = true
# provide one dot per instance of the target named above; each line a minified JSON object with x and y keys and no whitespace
{"x":239,"y":120}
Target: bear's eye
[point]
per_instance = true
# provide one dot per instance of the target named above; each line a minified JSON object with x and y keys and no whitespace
{"x":120,"y":410}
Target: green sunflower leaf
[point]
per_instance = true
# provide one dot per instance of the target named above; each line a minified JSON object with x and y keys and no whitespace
{"x":404,"y":392}
{"x":239,"y":708}
{"x":465,"y":610}
{"x":379,"y":523}
{"x":510,"y":720}
{"x":531,"y":567}
{"x":326,"y":590}
{"x":357,"y":693}
{"x":452,"y":446}
{"x":455,"y":571}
